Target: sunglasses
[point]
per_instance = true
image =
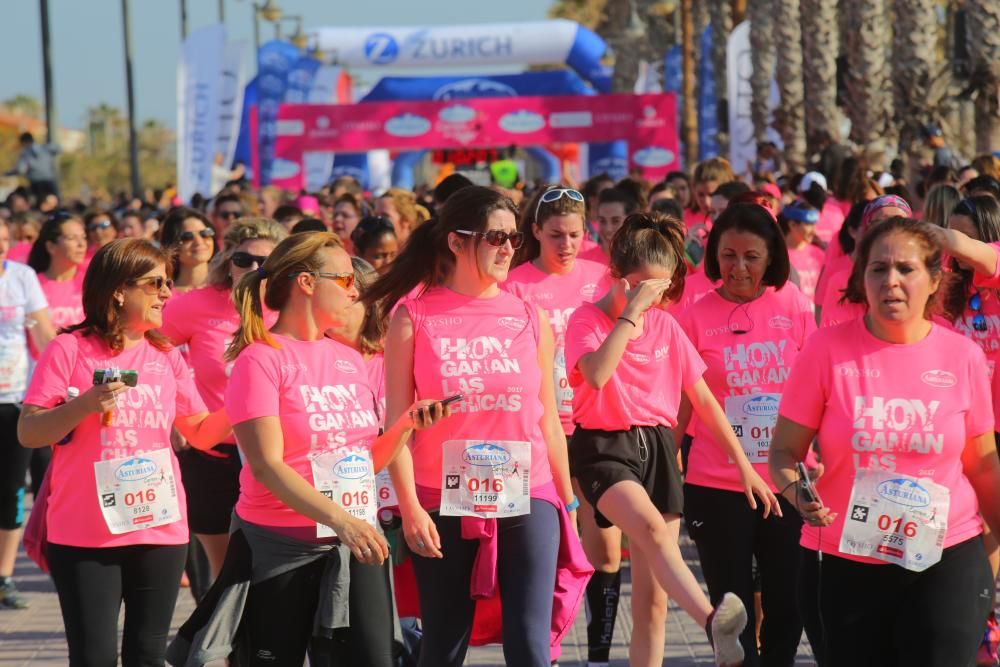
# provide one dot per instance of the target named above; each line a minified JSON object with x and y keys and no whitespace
{"x":978,"y":319}
{"x":94,"y":226}
{"x":497,"y":238}
{"x":343,"y":280}
{"x":156,"y":282}
{"x":964,"y":207}
{"x":555,"y":194}
{"x":229,"y":215}
{"x":206,"y":233}
{"x":245,"y":260}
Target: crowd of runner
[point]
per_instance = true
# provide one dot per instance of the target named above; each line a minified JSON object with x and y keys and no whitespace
{"x":376,"y":429}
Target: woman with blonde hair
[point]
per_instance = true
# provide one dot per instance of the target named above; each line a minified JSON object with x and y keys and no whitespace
{"x":939,"y":204}
{"x":205,"y":320}
{"x":400,"y":206}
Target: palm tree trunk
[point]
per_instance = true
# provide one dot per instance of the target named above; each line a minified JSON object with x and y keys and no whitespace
{"x":763,"y":56}
{"x":690,"y":115}
{"x":869,"y":102}
{"x":790,"y":118}
{"x":721,"y":18}
{"x":820,"y":46}
{"x":984,"y":23}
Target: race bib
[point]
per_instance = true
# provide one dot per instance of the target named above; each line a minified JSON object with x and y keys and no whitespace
{"x":13,"y":369}
{"x":486,"y":479}
{"x":138,"y":492}
{"x":347,"y":478}
{"x":753,"y":417}
{"x":564,"y":393}
{"x":896,"y":518}
{"x":386,"y":491}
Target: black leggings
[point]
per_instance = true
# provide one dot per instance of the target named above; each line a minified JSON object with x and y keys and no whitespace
{"x":15,"y":461}
{"x":279,"y":620}
{"x":92,"y":583}
{"x":729,"y":534}
{"x":527,"y":548}
{"x":886,"y":616}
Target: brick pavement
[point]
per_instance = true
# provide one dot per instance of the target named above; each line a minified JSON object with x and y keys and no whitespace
{"x":34,"y":636}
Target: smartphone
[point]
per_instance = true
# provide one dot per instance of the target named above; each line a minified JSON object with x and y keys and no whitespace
{"x":452,"y":399}
{"x":807,"y":485}
{"x":109,"y":375}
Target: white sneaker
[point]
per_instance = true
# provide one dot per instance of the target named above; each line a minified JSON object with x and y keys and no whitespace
{"x":728,"y":620}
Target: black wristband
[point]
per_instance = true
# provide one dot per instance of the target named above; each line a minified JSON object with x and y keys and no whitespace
{"x":625,"y":319}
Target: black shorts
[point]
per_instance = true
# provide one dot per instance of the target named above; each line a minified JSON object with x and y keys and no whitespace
{"x":212,"y":484}
{"x":643,"y":454}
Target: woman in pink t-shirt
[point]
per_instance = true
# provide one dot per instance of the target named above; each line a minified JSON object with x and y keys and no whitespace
{"x":204,"y":321}
{"x":189,"y":236}
{"x":900,"y":407}
{"x":798,"y":223}
{"x":57,"y":256}
{"x":116,"y":517}
{"x":629,"y":363}
{"x":552,"y":277}
{"x":613,"y":206}
{"x":497,"y":470}
{"x":748,"y":332}
{"x":304,"y":416}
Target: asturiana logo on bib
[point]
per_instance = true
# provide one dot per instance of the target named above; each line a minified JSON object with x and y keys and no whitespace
{"x":761,"y":406}
{"x":904,"y":492}
{"x":351,"y":466}
{"x":937,"y":378}
{"x":345,"y":366}
{"x":135,"y":469}
{"x":779,"y":322}
{"x":486,"y":454}
{"x":512,"y":323}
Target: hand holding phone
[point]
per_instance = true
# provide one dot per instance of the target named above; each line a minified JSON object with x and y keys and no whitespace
{"x":806,"y":484}
{"x":452,"y":399}
{"x":108,"y":375}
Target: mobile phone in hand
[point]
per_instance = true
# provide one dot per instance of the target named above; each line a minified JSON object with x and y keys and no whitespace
{"x":452,"y":399}
{"x":805,"y":482}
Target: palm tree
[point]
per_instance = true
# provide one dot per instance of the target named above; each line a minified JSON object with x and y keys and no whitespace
{"x":790,"y":118}
{"x":920,"y":81}
{"x":869,"y":101}
{"x":820,"y":46}
{"x":984,"y":43}
{"x":763,"y":56}
{"x":24,"y":104}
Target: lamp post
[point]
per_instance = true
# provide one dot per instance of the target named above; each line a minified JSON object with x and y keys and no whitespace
{"x":299,"y":38}
{"x":270,"y":12}
{"x":222,"y":11}
{"x":51,"y":125}
{"x":184,"y":20}
{"x":133,"y":144}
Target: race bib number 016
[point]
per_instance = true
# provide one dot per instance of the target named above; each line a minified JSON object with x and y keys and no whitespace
{"x":347,"y":478}
{"x":897,"y":519}
{"x":138,"y":492}
{"x":753,"y":418}
{"x":486,"y":479}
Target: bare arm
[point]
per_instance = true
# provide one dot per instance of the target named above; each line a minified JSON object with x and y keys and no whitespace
{"x":41,"y":427}
{"x":982,"y":257}
{"x":555,"y":438}
{"x":41,"y":330}
{"x":204,"y":430}
{"x":981,"y":465}
{"x":789,"y":446}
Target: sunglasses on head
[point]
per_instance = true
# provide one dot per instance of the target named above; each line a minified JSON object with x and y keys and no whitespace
{"x":94,"y":226}
{"x":229,"y":215}
{"x":965,"y":207}
{"x":206,"y":233}
{"x":245,"y":260}
{"x":555,"y":194}
{"x":156,"y":282}
{"x":497,"y":237}
{"x":978,"y":319}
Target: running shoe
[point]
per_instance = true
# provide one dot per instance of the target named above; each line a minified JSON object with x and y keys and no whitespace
{"x":988,"y":656}
{"x":725,"y":624}
{"x":10,"y":598}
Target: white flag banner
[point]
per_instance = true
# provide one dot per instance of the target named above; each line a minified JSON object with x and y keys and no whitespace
{"x":232,"y":81}
{"x":198,"y":96}
{"x":739,"y":69}
{"x":319,"y":164}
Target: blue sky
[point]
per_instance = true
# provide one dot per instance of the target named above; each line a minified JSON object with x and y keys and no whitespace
{"x":87,"y":48}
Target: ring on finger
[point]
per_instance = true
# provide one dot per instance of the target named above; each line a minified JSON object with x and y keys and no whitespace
{"x":420,"y":544}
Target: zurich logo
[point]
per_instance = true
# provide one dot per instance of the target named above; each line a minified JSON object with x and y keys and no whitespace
{"x":904,"y":492}
{"x":135,"y":469}
{"x":351,"y":466}
{"x":761,"y":406}
{"x":381,"y":48}
{"x":486,"y":454}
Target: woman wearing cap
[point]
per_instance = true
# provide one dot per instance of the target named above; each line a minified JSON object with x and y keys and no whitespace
{"x":482,"y":495}
{"x":901,"y":410}
{"x":189,"y":235}
{"x":551,"y":276}
{"x":116,"y":519}
{"x":798,"y":222}
{"x":748,"y":332}
{"x":204,"y":320}
{"x":813,"y":190}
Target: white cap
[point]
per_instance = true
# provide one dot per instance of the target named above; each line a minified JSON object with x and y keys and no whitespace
{"x":810,"y":178}
{"x":886,"y":179}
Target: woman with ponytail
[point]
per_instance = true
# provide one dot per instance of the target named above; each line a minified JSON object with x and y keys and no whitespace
{"x":304,"y":417}
{"x":483,"y":496}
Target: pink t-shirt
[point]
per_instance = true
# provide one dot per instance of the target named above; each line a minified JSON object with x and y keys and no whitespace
{"x":645,"y":389}
{"x":834,"y":312}
{"x":19,"y":252}
{"x":808,"y":262}
{"x":376,"y":380}
{"x":587,"y":244}
{"x":831,"y":219}
{"x":831,"y":267}
{"x":65,"y":299}
{"x":319,"y":390}
{"x":559,"y":296}
{"x":487,"y":350}
{"x":843,"y":205}
{"x":594,"y":254}
{"x":988,"y":340}
{"x":696,"y":286}
{"x":901,"y":408}
{"x":757,"y":362}
{"x":165,"y":391}
{"x":992,"y":282}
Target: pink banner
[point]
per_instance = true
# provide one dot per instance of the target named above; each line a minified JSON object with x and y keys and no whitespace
{"x":647,"y":122}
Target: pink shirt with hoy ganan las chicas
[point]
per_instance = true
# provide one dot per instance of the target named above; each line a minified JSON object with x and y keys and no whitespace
{"x":902,"y":408}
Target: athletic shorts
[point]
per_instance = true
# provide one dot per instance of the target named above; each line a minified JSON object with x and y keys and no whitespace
{"x":646,"y":455}
{"x":212,"y":484}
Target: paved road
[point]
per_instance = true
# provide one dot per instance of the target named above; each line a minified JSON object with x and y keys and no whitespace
{"x":34,"y":636}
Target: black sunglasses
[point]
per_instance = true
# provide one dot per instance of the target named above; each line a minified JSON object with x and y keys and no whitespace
{"x":206,"y":233}
{"x":229,"y":215}
{"x":245,"y":260}
{"x":156,"y":282}
{"x":497,"y":237}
